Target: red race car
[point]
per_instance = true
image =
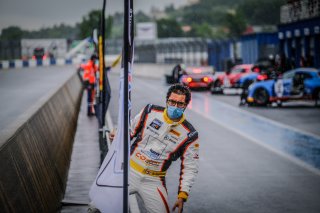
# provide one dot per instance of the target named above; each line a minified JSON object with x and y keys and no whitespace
{"x":198,"y":77}
{"x":229,"y":79}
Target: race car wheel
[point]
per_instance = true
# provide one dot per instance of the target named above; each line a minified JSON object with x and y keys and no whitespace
{"x":216,"y":87}
{"x":279,"y":103}
{"x":261,"y":97}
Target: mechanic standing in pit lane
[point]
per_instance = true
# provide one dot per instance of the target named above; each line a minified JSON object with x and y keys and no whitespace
{"x":89,"y":79}
{"x":159,"y":136}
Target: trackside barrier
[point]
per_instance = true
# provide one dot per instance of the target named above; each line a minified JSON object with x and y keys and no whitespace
{"x":33,"y":63}
{"x":35,"y":152}
{"x":10,"y":64}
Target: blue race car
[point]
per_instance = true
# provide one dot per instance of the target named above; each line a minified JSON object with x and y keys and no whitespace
{"x":247,"y":79}
{"x":296,"y":84}
{"x":257,"y":75}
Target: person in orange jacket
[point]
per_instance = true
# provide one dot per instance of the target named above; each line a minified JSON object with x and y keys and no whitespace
{"x":89,"y":78}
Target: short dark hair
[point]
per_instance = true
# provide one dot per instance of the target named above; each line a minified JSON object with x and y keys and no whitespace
{"x":94,"y":57}
{"x":180,"y":90}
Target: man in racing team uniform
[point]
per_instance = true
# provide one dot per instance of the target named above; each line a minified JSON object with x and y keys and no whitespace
{"x":159,"y":136}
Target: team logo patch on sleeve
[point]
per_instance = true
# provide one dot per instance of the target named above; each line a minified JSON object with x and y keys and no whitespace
{"x":156,"y":124}
{"x":191,"y":134}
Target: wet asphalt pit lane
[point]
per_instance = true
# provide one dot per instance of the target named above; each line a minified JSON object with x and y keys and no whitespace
{"x":301,"y":145}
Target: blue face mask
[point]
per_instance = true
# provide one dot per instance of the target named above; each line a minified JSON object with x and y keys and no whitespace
{"x":174,"y":112}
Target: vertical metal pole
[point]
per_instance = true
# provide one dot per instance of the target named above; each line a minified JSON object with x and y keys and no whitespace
{"x":126,"y":111}
{"x":102,"y":86}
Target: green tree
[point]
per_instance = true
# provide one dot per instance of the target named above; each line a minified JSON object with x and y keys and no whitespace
{"x":168,"y":28}
{"x":108,"y":27}
{"x":141,"y":17}
{"x":235,"y":23}
{"x":203,"y":30}
{"x":207,"y":11}
{"x":169,"y":9}
{"x":12,"y":33}
{"x":262,"y":12}
{"x":92,"y":21}
{"x":57,"y":31}
{"x":117,"y":26}
{"x":89,"y":22}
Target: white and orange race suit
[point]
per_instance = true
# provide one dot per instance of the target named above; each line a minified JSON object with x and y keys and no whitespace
{"x":156,"y":141}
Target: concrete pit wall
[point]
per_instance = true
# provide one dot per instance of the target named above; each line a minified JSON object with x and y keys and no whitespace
{"x":35,"y":157}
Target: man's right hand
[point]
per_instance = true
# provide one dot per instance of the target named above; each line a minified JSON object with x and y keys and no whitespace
{"x":112,"y":134}
{"x":178,"y":204}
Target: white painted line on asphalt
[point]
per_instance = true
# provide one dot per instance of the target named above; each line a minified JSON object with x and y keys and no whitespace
{"x":282,"y":154}
{"x":268,"y":120}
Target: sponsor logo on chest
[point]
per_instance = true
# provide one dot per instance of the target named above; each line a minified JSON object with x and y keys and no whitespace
{"x":156,"y":124}
{"x":153,"y":131}
{"x":171,"y":139}
{"x":152,"y":163}
{"x":147,"y":161}
{"x":151,"y":154}
{"x":140,"y":156}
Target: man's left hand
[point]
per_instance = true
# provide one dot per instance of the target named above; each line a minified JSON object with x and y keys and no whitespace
{"x":179,"y":204}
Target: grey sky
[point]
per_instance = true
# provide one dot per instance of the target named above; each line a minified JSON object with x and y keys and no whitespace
{"x":34,"y":14}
